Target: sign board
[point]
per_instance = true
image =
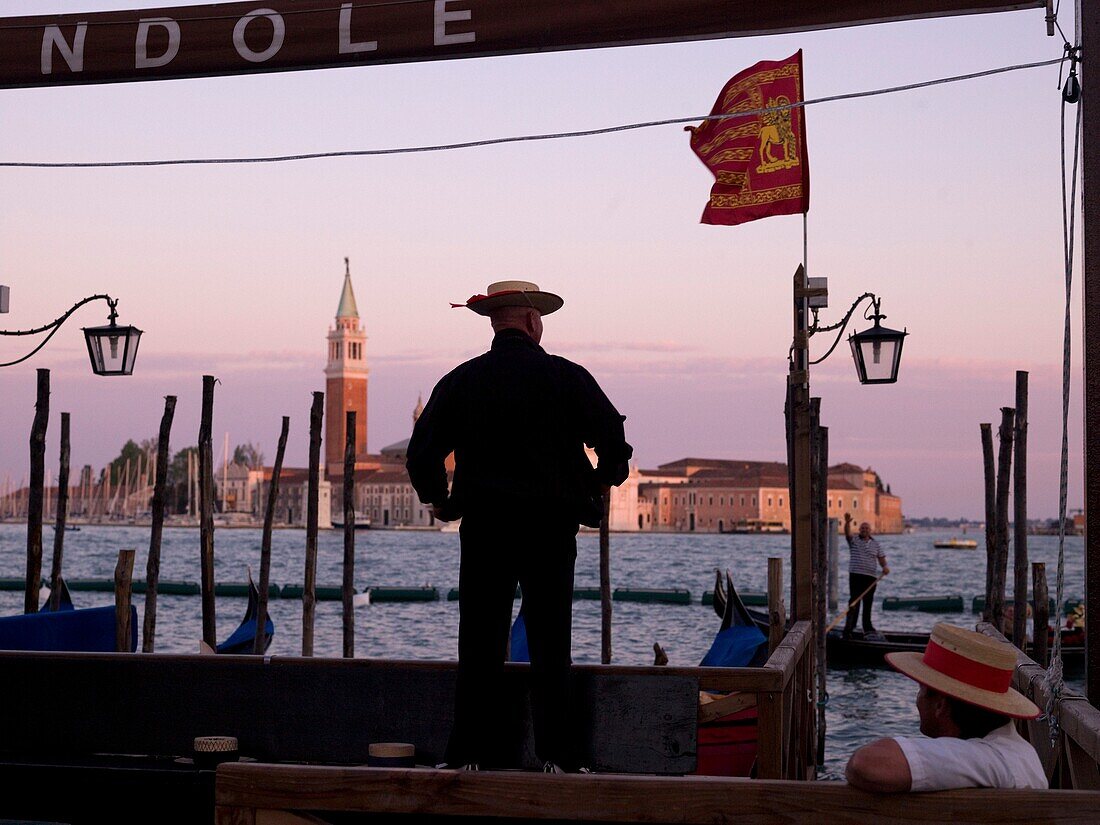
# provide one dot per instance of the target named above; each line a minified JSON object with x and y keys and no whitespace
{"x":285,"y":35}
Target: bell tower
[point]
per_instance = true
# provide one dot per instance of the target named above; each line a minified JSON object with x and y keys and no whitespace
{"x":345,"y":380}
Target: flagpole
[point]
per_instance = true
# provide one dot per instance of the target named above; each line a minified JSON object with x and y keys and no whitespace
{"x":805,"y":244}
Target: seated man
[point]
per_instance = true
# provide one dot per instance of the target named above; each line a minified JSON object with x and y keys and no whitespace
{"x":966,"y":706}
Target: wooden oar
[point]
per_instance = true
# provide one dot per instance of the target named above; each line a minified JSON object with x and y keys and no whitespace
{"x":854,"y":602}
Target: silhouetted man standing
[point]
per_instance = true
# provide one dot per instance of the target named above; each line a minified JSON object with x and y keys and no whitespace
{"x":517,"y":420}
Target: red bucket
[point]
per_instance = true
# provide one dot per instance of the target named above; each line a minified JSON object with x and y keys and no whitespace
{"x":727,"y":746}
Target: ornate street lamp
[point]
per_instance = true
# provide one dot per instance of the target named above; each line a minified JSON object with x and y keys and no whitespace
{"x":111,"y":348}
{"x":876,"y":351}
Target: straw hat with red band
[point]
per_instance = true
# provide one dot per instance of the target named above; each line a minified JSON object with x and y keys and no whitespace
{"x":513,"y":294}
{"x":968,"y":666}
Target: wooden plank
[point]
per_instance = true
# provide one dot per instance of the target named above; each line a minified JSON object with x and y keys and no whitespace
{"x":234,"y":815}
{"x":786,"y":657}
{"x":1082,"y":768}
{"x":286,"y":35}
{"x":1042,"y":612}
{"x":627,"y":799}
{"x":715,"y":707}
{"x":605,"y":578}
{"x":267,"y":817}
{"x":769,"y":736}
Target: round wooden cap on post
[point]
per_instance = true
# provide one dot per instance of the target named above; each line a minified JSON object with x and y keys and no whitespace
{"x":211,"y":751}
{"x":391,"y":755}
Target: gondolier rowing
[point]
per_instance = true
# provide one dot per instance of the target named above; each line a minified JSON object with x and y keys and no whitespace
{"x":862,"y":574}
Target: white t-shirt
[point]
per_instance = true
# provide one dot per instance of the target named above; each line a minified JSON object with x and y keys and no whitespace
{"x":1001,"y":759}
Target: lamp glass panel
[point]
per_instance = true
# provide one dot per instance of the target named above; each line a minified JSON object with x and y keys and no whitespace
{"x":879,"y":358}
{"x":112,"y":350}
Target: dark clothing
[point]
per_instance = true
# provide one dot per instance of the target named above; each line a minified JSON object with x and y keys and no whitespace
{"x":517,"y":420}
{"x":498,"y":553}
{"x":857,"y":583}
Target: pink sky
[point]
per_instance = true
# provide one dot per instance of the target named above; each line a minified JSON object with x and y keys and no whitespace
{"x":945,"y":201}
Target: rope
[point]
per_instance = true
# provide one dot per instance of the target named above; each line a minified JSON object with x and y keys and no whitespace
{"x":1054,"y":679}
{"x":473,"y":144}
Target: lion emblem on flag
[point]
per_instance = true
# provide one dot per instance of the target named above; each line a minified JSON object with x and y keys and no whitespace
{"x":776,"y":131}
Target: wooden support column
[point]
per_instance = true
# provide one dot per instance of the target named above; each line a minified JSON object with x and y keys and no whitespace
{"x":990,"y":518}
{"x":260,"y":644}
{"x":605,"y":579}
{"x":798,"y":400}
{"x":349,"y":536}
{"x":34,"y":500}
{"x":62,"y":513}
{"x":1004,"y":476}
{"x":309,"y":586}
{"x":206,"y":512}
{"x":124,"y":576}
{"x":1042,"y":612}
{"x":1090,"y":306}
{"x":777,"y":613}
{"x":1019,"y":517}
{"x":152,"y":565}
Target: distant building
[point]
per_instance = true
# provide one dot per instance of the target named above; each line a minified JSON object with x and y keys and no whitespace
{"x":346,"y":376}
{"x":720,"y":495}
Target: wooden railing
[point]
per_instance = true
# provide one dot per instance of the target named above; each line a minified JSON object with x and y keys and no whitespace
{"x":1071,"y":758}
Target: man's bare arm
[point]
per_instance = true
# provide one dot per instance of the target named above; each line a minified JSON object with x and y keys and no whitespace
{"x":880,"y":767}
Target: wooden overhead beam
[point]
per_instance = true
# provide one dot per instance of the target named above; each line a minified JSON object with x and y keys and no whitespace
{"x":287,"y":35}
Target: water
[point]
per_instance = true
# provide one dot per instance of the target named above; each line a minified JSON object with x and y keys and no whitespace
{"x":863,"y":703}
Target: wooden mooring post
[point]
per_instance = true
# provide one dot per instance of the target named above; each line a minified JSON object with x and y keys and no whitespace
{"x":152,"y":565}
{"x":309,"y":586}
{"x":990,"y":518}
{"x":62,"y":513}
{"x":1019,"y":517}
{"x":260,"y":642}
{"x":349,"y":536}
{"x":206,"y":512}
{"x":34,"y":500}
{"x":124,"y":574}
{"x":1042,"y":613}
{"x":605,"y":579}
{"x":777,"y":611}
{"x":1004,"y":477}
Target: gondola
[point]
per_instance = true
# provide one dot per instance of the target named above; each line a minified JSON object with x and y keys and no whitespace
{"x":243,"y":639}
{"x":741,"y":641}
{"x":857,"y":651}
{"x":88,"y":630}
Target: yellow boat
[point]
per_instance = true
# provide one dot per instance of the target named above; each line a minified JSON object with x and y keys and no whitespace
{"x":956,"y":544}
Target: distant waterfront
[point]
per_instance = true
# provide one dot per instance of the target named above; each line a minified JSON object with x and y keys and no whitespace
{"x":862,"y":703}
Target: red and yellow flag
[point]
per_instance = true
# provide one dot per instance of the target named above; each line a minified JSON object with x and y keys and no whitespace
{"x":758,"y":161}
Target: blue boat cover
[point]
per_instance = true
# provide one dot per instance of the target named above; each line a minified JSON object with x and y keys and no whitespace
{"x":519,"y":651}
{"x":734,"y":647}
{"x":89,"y":630}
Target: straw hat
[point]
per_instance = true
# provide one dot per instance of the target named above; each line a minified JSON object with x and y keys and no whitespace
{"x":513,"y":294}
{"x":968,"y":666}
